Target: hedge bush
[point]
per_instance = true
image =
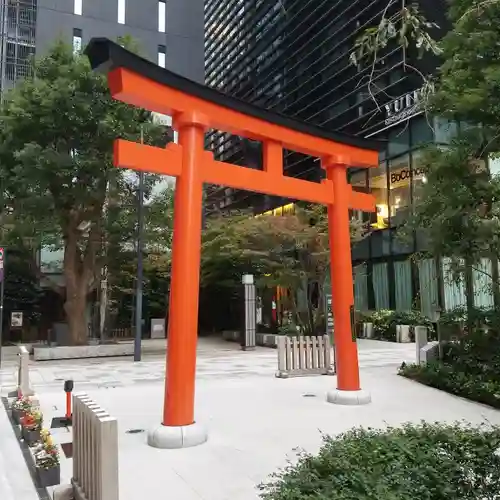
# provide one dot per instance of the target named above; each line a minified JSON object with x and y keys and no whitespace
{"x":424,"y":462}
{"x":385,"y":322}
{"x":448,"y":378}
{"x":470,"y":368}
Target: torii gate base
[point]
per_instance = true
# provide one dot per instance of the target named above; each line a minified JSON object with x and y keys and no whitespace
{"x":196,"y":109}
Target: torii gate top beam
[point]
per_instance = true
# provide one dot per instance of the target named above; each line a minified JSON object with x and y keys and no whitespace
{"x":168,"y":93}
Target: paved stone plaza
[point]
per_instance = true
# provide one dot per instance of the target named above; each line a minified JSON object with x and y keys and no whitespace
{"x":255,"y":420}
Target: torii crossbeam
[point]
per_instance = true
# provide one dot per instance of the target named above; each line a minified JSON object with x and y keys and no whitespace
{"x":195,"y":109}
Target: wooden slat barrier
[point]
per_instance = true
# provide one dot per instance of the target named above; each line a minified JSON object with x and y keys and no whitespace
{"x":23,"y":373}
{"x":301,"y":356}
{"x":95,"y":451}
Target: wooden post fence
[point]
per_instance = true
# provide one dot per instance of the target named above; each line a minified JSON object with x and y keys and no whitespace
{"x":302,"y":356}
{"x":95,"y":451}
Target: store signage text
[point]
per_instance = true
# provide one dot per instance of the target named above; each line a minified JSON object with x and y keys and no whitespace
{"x":403,"y":107}
{"x":406,"y":174}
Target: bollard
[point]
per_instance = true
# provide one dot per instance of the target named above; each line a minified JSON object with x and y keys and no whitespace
{"x":68,"y":388}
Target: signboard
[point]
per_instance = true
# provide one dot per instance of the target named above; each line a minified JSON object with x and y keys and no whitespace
{"x":403,"y":107}
{"x":329,"y":316}
{"x":158,"y":328}
{"x":16,"y":319}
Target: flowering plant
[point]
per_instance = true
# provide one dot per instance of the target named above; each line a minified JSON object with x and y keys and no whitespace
{"x":32,"y":420}
{"x":22,"y":404}
{"x":46,"y":453}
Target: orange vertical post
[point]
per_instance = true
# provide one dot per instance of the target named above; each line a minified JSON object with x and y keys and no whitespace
{"x":183,"y":321}
{"x":341,"y":278}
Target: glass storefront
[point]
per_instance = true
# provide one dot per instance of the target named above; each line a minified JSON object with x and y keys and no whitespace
{"x":385,"y":275}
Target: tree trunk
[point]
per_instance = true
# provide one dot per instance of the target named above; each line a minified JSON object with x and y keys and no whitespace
{"x":75,"y":308}
{"x":78,"y":273}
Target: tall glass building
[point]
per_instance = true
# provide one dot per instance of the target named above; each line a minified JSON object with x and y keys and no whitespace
{"x":293,"y":56}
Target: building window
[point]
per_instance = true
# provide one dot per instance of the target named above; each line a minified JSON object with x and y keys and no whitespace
{"x":77,"y":8}
{"x":162,"y":56}
{"x":399,"y":190}
{"x":121,"y":11}
{"x":419,"y":177}
{"x":378,"y":187}
{"x":77,"y":40}
{"x":162,"y":14}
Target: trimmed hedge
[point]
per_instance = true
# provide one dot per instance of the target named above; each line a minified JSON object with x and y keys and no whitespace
{"x":470,"y":368}
{"x":448,"y":378}
{"x":426,"y":461}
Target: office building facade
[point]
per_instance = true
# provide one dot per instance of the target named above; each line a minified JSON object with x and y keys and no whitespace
{"x":293,"y":56}
{"x":169,"y":32}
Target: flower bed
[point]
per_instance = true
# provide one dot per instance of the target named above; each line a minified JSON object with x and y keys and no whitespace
{"x":44,"y":451}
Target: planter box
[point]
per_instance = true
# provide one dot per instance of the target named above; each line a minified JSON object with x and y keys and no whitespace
{"x":48,"y":477}
{"x":30,"y":436}
{"x":17,"y":415}
{"x":83,"y":351}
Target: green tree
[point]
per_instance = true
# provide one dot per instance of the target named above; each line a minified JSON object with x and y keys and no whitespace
{"x":291,"y":251}
{"x":56,"y":167}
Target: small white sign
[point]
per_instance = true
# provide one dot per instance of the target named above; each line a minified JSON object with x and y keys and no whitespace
{"x":16,"y":319}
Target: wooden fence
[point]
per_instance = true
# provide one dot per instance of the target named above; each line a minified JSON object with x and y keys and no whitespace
{"x":301,"y":356}
{"x":95,"y":451}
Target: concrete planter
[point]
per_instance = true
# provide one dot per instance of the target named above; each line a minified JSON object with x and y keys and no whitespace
{"x":30,"y":436}
{"x":17,"y":415}
{"x":261,"y":339}
{"x":266,"y":339}
{"x":231,"y":335}
{"x":85,"y":351}
{"x":48,"y":477}
{"x":367,"y":330}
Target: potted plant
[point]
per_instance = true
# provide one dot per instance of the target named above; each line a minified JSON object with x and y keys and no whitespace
{"x":48,"y":468}
{"x":31,"y":426}
{"x":19,"y":408}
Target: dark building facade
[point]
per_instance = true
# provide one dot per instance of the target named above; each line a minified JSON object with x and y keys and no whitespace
{"x":293,"y":56}
{"x":168,"y":32}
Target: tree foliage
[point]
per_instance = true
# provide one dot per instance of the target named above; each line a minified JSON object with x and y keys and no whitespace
{"x":290,"y":251}
{"x":56,"y":148}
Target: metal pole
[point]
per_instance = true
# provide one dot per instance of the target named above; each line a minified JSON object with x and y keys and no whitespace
{"x":138,"y":293}
{"x":2,"y":285}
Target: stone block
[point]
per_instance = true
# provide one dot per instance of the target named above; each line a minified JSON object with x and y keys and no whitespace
{"x":429,"y":353}
{"x":421,"y":340}
{"x":86,"y":351}
{"x":403,"y":334}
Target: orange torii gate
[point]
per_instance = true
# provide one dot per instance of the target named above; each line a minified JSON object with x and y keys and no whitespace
{"x":195,"y":109}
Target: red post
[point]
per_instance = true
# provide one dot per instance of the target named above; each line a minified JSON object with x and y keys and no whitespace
{"x":183,"y":321}
{"x":341,"y":278}
{"x":68,"y":406}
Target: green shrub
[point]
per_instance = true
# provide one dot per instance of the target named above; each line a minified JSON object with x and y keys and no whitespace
{"x":476,"y":387}
{"x":427,"y":461}
{"x":385,"y":322}
{"x":470,"y":368}
{"x":479,"y":317}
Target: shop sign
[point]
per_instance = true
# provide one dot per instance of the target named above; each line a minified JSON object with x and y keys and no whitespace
{"x":406,"y":173}
{"x":403,"y":107}
{"x":329,"y":315}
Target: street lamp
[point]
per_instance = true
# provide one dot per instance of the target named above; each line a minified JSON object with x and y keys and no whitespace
{"x":140,"y":270}
{"x":165,"y":120}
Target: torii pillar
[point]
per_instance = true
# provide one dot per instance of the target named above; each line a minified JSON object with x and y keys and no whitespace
{"x":196,"y":109}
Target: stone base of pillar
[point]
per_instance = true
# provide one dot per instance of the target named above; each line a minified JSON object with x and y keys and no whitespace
{"x":351,"y":398}
{"x":172,"y":437}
